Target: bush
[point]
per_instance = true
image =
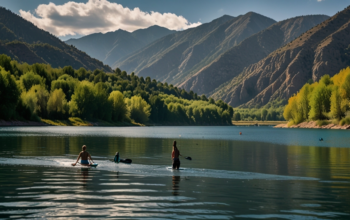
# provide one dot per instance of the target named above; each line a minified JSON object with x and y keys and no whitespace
{"x":322,"y":122}
{"x":139,"y":109}
{"x":345,"y":121}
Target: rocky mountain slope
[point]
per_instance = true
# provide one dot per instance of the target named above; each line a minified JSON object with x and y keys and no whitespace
{"x":111,"y":47}
{"x":319,"y":51}
{"x":251,"y":50}
{"x":176,"y":57}
{"x":23,"y":41}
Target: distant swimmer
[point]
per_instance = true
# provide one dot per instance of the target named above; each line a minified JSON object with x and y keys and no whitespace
{"x":321,"y":139}
{"x":175,"y":156}
{"x":85,"y":156}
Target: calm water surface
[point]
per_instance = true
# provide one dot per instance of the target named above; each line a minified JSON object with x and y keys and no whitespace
{"x":265,"y":173}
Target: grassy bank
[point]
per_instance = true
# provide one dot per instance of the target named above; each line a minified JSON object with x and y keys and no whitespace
{"x":75,"y":121}
{"x":258,"y":123}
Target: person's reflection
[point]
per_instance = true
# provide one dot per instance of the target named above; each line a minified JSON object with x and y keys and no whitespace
{"x":85,"y":176}
{"x":176,"y":185}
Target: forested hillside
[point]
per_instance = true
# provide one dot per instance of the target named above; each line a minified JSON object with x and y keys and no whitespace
{"x":113,"y":46}
{"x":32,"y":92}
{"x":24,"y":42}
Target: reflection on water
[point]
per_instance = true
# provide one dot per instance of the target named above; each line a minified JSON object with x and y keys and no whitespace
{"x":229,"y":177}
{"x":85,"y":176}
{"x":176,"y":185}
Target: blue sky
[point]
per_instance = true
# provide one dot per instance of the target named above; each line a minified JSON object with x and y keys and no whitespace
{"x":67,"y":20}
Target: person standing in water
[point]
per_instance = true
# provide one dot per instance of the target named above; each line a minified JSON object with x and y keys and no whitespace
{"x":175,"y":156}
{"x":85,"y":156}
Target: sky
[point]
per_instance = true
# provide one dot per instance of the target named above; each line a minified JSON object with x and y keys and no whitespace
{"x":76,"y":18}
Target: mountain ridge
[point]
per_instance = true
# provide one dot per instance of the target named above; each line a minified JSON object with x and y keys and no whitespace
{"x":251,"y":50}
{"x":21,"y":38}
{"x":318,"y":51}
{"x":176,"y":56}
{"x":112,"y":46}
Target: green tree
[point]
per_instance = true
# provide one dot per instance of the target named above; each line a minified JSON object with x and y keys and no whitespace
{"x":320,"y":102}
{"x":67,"y":85}
{"x":30,"y":79}
{"x":68,"y":70}
{"x":120,"y":111}
{"x":159,"y":109}
{"x":5,"y":62}
{"x":263,"y":114}
{"x":36,"y":99}
{"x":57,"y":105}
{"x":237,"y":116}
{"x":83,"y":103}
{"x":104,"y":109}
{"x":9,"y":95}
{"x":338,"y":108}
{"x":139,"y":109}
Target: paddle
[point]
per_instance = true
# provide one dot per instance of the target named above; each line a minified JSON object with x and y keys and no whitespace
{"x":187,"y":158}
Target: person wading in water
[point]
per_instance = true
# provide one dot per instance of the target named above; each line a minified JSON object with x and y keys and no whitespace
{"x":175,"y":156}
{"x":85,"y":156}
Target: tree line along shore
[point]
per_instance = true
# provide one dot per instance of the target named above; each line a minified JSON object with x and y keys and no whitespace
{"x":322,"y":104}
{"x":41,"y":93}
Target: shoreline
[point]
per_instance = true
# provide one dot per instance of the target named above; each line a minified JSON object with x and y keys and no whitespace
{"x":21,"y":123}
{"x":313,"y":124}
{"x":258,"y":123}
{"x":74,"y":121}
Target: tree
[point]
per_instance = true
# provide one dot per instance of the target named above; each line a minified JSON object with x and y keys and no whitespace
{"x":237,"y":116}
{"x":338,"y":107}
{"x":320,"y":102}
{"x":83,"y":100}
{"x":36,"y":99}
{"x":104,"y":110}
{"x":9,"y":94}
{"x":120,"y":111}
{"x":230,"y":111}
{"x":263,"y":114}
{"x":57,"y":105}
{"x":66,"y":83}
{"x":29,"y":79}
{"x":68,"y":70}
{"x":5,"y":63}
{"x":303,"y":102}
{"x":159,"y":109}
{"x":139,"y":109}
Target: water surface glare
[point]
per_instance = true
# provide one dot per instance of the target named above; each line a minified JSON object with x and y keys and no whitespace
{"x":262,"y":174}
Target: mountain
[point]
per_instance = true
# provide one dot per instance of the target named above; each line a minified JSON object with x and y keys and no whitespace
{"x":324,"y":49}
{"x":176,"y":57}
{"x":249,"y":51}
{"x":24,"y":42}
{"x":112,"y":46}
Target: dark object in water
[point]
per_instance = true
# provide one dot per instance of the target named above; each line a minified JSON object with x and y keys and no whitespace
{"x":117,"y":159}
{"x":321,"y":139}
{"x":188,"y":158}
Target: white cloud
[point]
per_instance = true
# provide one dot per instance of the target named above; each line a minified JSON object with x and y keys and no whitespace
{"x":103,"y":16}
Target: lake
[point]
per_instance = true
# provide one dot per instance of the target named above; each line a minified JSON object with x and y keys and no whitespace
{"x":262,"y":174}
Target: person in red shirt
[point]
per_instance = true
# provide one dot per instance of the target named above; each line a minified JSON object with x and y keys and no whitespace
{"x":175,"y":156}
